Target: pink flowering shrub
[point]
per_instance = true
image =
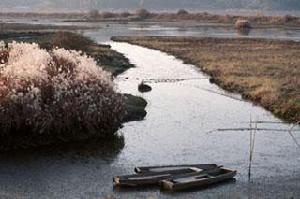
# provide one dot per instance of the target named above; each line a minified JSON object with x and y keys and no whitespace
{"x":57,"y":95}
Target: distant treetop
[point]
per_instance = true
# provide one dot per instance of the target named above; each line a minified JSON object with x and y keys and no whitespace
{"x":182,"y":12}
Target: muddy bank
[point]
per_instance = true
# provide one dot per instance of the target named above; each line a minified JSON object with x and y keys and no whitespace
{"x":106,"y":57}
{"x":264,"y":71}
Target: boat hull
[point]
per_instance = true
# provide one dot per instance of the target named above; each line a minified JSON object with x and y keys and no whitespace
{"x":175,"y":169}
{"x":153,"y":175}
{"x":139,"y":180}
{"x":203,"y":180}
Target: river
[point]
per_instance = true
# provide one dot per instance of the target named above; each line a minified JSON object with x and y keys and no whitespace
{"x":184,"y":109}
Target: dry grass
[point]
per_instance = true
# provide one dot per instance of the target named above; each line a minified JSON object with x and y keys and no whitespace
{"x":60,"y":123}
{"x":67,"y":40}
{"x":60,"y":102}
{"x":265,"y":71}
{"x":109,"y":59}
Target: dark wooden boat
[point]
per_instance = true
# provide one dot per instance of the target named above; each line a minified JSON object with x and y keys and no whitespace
{"x":140,"y":180}
{"x":175,"y":169}
{"x":197,"y":180}
{"x":153,"y":175}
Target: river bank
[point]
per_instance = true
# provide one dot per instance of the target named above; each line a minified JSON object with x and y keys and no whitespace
{"x":264,"y":71}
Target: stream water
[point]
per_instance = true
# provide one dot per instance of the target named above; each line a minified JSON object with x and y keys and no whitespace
{"x":183,"y":110}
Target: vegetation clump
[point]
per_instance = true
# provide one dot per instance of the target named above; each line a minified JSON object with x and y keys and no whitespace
{"x":242,"y":24}
{"x":125,"y":14}
{"x":93,"y":14}
{"x":55,"y":95}
{"x":143,"y":13}
{"x":106,"y":15}
{"x":109,"y":59}
{"x":288,"y":18}
{"x":182,"y":12}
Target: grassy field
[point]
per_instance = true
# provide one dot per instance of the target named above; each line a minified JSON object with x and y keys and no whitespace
{"x":264,"y":71}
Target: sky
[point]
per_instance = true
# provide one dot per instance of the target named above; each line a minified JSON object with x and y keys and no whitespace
{"x":117,"y":5}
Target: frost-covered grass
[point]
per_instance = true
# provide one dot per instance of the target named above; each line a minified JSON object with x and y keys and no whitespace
{"x":109,"y":59}
{"x":54,"y":95}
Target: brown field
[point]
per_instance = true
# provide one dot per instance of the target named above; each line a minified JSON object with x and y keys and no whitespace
{"x":264,"y":71}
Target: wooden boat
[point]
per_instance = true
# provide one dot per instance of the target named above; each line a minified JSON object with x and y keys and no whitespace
{"x":175,"y":169}
{"x":153,"y":175}
{"x":140,"y":180}
{"x":197,"y":180}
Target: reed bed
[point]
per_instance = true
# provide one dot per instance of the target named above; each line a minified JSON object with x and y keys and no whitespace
{"x":55,"y":95}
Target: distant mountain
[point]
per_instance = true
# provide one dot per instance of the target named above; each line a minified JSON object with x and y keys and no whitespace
{"x":72,"y":5}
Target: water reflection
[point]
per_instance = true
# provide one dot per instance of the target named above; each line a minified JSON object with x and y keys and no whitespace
{"x":107,"y":150}
{"x":76,"y":170}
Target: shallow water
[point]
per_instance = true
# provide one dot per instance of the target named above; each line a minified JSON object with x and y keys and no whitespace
{"x":183,"y":108}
